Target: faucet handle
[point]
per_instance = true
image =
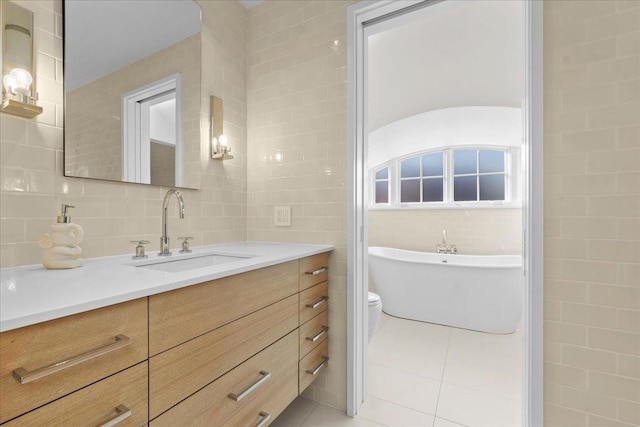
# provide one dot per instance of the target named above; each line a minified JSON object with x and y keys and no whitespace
{"x":185,"y":244}
{"x":140,"y":249}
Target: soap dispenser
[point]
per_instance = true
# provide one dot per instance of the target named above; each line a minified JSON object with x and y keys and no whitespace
{"x":61,"y":248}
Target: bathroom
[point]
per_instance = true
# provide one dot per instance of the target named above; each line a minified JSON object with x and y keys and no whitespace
{"x":281,"y":69}
{"x":452,"y":329}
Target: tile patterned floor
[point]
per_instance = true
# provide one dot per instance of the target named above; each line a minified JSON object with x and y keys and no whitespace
{"x":426,"y":375}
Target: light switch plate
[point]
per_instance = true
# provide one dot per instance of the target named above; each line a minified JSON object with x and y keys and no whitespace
{"x":282,"y":216}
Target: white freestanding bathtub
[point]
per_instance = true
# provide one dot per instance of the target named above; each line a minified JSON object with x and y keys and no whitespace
{"x":479,"y":292}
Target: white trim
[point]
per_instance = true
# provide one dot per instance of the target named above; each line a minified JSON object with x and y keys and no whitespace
{"x":135,"y":153}
{"x":532,"y":399}
{"x":357,"y":15}
{"x":357,"y":330}
{"x":442,"y":206}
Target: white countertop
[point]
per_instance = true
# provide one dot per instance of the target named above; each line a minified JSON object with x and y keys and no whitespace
{"x":32,"y":294}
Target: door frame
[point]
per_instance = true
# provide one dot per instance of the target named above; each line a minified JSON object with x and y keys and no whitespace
{"x":135,"y":135}
{"x":357,"y":275}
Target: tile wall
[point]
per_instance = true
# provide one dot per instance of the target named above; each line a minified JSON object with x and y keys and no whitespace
{"x":473,"y":231}
{"x":32,"y":185}
{"x":592,"y":213}
{"x":296,"y":96}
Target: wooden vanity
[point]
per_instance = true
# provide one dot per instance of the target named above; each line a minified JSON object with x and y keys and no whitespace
{"x":234,"y":351}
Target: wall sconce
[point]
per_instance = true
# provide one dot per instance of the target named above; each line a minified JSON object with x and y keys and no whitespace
{"x":18,"y":89}
{"x":220,"y":149}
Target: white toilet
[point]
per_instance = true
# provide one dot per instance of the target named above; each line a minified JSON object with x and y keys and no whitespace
{"x":375,"y":309}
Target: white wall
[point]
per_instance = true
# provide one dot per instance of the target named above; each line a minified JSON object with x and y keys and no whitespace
{"x":498,"y":126}
{"x":163,"y":122}
{"x":471,"y":55}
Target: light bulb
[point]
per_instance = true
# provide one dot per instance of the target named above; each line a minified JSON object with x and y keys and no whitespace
{"x":23,"y":80}
{"x":223,"y":140}
{"x":10,"y":84}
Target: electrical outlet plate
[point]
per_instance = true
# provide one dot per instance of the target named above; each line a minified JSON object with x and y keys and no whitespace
{"x":282,"y":216}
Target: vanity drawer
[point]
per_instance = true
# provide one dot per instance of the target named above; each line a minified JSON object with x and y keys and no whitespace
{"x":212,"y":406}
{"x":266,"y":407}
{"x":313,"y":364}
{"x":102,"y":341}
{"x":206,"y":358}
{"x":314,"y":332}
{"x":177,"y":316}
{"x":121,"y":396}
{"x":313,"y":301}
{"x":313,"y":270}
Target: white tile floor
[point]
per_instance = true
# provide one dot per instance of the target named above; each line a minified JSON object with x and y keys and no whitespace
{"x":421,"y":374}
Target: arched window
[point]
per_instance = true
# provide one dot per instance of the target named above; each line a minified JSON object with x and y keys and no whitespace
{"x":451,"y":177}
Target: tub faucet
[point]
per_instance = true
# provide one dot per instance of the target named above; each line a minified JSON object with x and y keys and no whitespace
{"x":444,"y":248}
{"x":164,"y":239}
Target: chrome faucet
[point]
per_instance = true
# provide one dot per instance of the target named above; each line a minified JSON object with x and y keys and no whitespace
{"x":164,"y":239}
{"x":444,"y":248}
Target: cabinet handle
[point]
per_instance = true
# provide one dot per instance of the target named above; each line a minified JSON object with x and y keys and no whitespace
{"x":324,"y":330}
{"x":238,"y":397}
{"x":122,"y":413}
{"x":316,"y":272}
{"x":314,"y":371}
{"x":265,"y":418}
{"x":24,"y":376}
{"x":318,"y":303}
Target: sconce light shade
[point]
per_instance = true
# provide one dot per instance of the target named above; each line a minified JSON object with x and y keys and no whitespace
{"x":220,"y":149}
{"x":18,"y":96}
{"x":21,"y":80}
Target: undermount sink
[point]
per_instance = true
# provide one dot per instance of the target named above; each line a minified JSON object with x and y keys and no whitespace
{"x":192,"y":262}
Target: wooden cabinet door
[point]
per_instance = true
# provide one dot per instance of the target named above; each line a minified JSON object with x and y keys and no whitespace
{"x":119,"y":397}
{"x":313,"y":364}
{"x":272,"y":372}
{"x":313,"y":301}
{"x":183,"y":314}
{"x":314,"y":332}
{"x":313,"y":270}
{"x":31,"y":348}
{"x":183,"y":370}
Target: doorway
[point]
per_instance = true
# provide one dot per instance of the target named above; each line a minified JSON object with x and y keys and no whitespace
{"x":360,"y":17}
{"x":152,"y":133}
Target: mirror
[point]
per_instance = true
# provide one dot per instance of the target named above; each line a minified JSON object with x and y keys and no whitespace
{"x":132,"y":91}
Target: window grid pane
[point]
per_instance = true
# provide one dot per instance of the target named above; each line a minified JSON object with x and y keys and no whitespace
{"x":410,"y":191}
{"x":465,"y":188}
{"x":465,"y":162}
{"x":433,"y":164}
{"x":410,"y":168}
{"x":492,"y":187}
{"x":382,"y":192}
{"x":491,"y":161}
{"x":382,"y":173}
{"x":432,"y":190}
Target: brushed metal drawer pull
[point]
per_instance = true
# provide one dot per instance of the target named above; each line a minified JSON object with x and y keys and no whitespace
{"x":238,"y":397}
{"x":324,"y":330}
{"x":316,"y":272}
{"x":24,"y":376}
{"x":122,"y":413}
{"x":318,"y":303}
{"x":315,"y":371}
{"x":265,"y":419}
